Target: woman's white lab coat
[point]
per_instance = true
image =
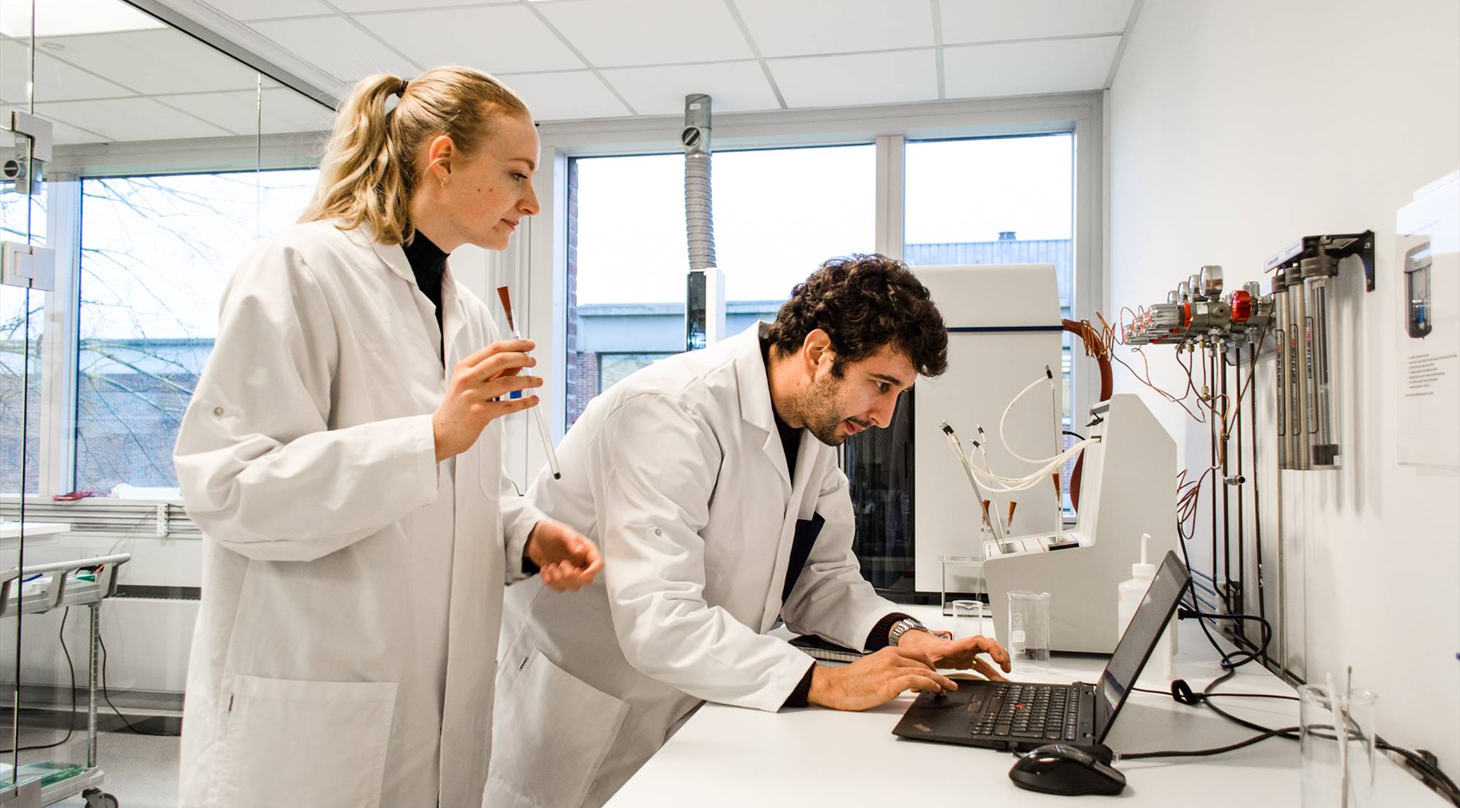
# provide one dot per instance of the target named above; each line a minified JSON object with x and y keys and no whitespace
{"x":352,"y":587}
{"x":678,"y":472}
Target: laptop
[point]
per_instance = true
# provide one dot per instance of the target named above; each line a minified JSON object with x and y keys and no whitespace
{"x":1018,"y":716}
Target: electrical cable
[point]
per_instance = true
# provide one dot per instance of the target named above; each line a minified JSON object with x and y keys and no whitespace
{"x":72,"y":668}
{"x":106,"y":694}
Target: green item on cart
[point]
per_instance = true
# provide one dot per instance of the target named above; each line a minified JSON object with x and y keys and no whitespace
{"x":48,"y":771}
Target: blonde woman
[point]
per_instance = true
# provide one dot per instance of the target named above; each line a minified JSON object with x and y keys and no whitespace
{"x":342,"y":456}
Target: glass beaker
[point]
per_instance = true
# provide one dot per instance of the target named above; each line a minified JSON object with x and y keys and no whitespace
{"x":961,"y":576}
{"x":1337,"y":767}
{"x":967,"y":618}
{"x":1029,"y":629}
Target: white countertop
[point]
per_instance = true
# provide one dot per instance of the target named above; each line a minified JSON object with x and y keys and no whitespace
{"x":729,"y":757}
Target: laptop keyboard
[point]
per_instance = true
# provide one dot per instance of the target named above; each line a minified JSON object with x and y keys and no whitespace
{"x":1048,"y":712}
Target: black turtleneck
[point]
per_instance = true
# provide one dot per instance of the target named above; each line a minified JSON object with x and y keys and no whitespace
{"x":429,"y":263}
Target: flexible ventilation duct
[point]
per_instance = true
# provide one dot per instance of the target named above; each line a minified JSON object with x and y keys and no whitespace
{"x":698,"y":199}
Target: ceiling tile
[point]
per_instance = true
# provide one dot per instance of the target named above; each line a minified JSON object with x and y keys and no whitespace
{"x":860,"y":78}
{"x":358,"y":6}
{"x":1028,"y":68}
{"x":55,"y":80}
{"x":129,"y":119}
{"x":283,"y":111}
{"x":997,"y":20}
{"x":624,"y":33}
{"x":734,"y":86}
{"x":336,"y":46}
{"x":566,"y":96}
{"x":497,"y":39}
{"x":162,"y":61}
{"x":798,"y":27}
{"x":251,"y":10}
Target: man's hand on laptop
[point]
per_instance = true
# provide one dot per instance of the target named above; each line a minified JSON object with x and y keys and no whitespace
{"x":964,"y":654}
{"x":874,"y":679}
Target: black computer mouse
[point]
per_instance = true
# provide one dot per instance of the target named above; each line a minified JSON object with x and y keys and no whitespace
{"x":1060,"y":768}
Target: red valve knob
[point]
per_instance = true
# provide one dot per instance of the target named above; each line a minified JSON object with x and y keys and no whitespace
{"x":1241,"y":306}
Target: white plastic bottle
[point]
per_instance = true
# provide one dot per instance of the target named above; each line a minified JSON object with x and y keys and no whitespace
{"x":1129,"y":595}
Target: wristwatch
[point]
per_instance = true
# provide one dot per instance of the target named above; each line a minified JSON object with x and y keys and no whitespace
{"x":902,"y":627}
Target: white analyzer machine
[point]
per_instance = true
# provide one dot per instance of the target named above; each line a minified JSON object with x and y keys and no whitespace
{"x":1128,"y":488}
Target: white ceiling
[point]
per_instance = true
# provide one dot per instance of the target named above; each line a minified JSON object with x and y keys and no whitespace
{"x":579,"y":59}
{"x":570,"y":59}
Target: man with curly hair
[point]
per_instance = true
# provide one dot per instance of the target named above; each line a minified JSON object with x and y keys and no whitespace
{"x":710,"y":480}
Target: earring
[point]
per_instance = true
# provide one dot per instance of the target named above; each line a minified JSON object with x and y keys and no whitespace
{"x":445,"y":179}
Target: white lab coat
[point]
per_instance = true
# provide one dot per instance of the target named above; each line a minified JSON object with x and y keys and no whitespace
{"x":679,"y":474}
{"x":345,"y":649}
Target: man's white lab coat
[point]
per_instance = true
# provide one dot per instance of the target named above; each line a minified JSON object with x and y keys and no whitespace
{"x":678,"y":472}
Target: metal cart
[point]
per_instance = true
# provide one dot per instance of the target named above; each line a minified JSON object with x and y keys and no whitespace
{"x":38,"y":589}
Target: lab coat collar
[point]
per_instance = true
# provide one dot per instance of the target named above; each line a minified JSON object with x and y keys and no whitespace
{"x":751,"y":379}
{"x":754,"y":387}
{"x":394,"y":257}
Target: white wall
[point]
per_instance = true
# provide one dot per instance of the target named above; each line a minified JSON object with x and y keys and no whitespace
{"x":1236,"y":127}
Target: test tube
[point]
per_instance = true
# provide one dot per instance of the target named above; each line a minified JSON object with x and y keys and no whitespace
{"x":542,"y":427}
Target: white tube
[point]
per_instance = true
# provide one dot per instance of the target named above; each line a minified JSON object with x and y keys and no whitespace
{"x":968,"y":469}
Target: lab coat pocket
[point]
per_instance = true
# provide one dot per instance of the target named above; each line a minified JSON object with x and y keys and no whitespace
{"x":553,"y":733}
{"x":294,"y":742}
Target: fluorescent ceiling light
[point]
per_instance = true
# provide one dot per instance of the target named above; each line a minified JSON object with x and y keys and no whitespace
{"x":72,"y":17}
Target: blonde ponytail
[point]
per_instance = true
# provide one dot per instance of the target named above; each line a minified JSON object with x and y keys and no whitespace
{"x":369,"y":169}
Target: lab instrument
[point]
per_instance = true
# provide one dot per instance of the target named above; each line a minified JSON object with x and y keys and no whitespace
{"x":542,"y":429}
{"x":1129,"y":479}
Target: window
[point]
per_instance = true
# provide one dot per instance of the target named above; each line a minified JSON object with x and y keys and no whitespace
{"x":778,"y":214}
{"x":156,"y":252}
{"x":1002,"y":200}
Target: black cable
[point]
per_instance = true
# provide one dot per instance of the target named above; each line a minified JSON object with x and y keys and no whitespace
{"x":72,"y":668}
{"x":1442,"y":782}
{"x":107,"y":694}
{"x":1170,"y":753}
{"x":1074,"y":434}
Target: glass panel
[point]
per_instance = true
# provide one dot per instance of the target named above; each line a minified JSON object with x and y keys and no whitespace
{"x":779,"y":213}
{"x":1005,"y":200}
{"x":156,"y":252}
{"x":1020,"y":213}
{"x":627,"y":262}
{"x":154,"y":241}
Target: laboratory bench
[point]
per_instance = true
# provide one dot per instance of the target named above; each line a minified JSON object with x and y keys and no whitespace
{"x":730,"y":757}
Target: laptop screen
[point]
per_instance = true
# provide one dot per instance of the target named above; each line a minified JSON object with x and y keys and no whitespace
{"x":1136,"y":643}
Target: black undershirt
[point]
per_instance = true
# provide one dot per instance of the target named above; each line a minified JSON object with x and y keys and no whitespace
{"x":428,"y":262}
{"x":790,"y":444}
